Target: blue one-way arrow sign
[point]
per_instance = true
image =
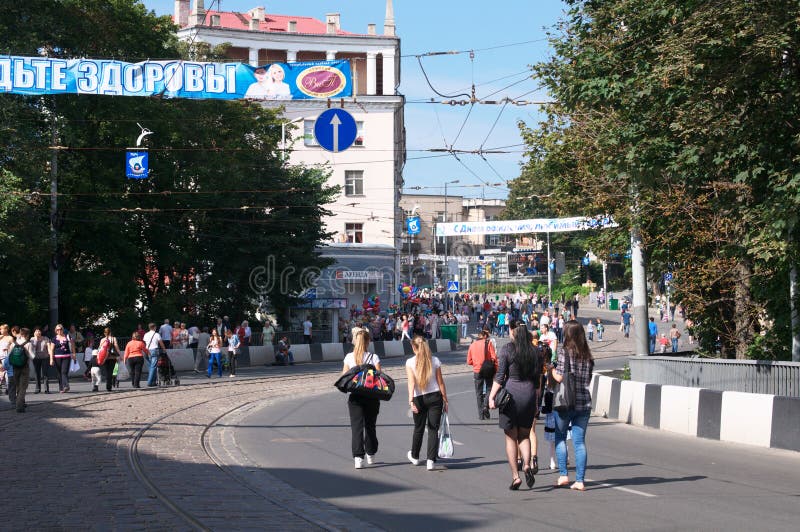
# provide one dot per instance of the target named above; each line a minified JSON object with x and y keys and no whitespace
{"x":335,"y":130}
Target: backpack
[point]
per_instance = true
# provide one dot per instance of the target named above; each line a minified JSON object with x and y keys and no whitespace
{"x":18,"y":357}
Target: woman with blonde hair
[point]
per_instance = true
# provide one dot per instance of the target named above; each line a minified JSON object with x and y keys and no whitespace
{"x":363,"y":410}
{"x":427,"y":397}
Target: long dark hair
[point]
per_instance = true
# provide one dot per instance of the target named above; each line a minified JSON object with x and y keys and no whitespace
{"x":524,"y":354}
{"x":575,"y":341}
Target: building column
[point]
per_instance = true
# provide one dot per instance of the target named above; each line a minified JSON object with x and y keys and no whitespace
{"x":330,"y":55}
{"x":372,"y":77}
{"x":291,"y":56}
{"x":388,"y":74}
{"x":253,"y":57}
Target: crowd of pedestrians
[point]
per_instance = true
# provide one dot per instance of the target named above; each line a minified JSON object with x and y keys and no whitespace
{"x":55,"y":356}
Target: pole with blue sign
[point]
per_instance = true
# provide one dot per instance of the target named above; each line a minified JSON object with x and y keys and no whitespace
{"x":137,"y":161}
{"x":335,"y":130}
{"x":413,"y":227}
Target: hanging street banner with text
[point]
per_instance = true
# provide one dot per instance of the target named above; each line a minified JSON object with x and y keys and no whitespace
{"x":176,"y":79}
{"x":510,"y":227}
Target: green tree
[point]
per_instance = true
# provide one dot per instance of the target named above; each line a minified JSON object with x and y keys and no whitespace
{"x":219,"y":203}
{"x":686,"y":110}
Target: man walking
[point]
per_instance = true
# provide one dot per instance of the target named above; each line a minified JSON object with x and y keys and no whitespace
{"x":166,"y":334}
{"x":652,"y":330}
{"x":153,"y":341}
{"x":307,"y":328}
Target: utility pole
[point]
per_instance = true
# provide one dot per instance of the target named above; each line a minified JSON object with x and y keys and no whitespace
{"x":446,"y":265}
{"x":54,"y":260}
{"x":639,"y":274}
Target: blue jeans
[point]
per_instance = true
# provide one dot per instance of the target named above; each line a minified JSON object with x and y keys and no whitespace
{"x":152,"y":372}
{"x":652,"y":344}
{"x":579,"y":420}
{"x":214,"y":357}
{"x":674,"y":345}
{"x":626,"y":329}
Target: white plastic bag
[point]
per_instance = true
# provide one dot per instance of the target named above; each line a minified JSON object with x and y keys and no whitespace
{"x":445,"y":438}
{"x":74,"y":367}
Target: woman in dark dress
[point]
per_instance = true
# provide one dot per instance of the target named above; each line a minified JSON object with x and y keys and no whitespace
{"x":518,"y":370}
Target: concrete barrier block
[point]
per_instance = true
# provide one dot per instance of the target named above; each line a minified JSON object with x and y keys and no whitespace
{"x":709,"y":414}
{"x":443,"y":346}
{"x":785,"y":424}
{"x":603,"y":400}
{"x":652,"y":406}
{"x":301,"y":352}
{"x":182,"y":359}
{"x":613,"y":401}
{"x":335,"y":352}
{"x":631,"y":402}
{"x":261,"y":354}
{"x":679,"y":409}
{"x":393,"y":349}
{"x":746,"y":418}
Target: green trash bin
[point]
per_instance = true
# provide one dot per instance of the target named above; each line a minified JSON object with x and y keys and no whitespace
{"x":613,"y":304}
{"x":449,"y":332}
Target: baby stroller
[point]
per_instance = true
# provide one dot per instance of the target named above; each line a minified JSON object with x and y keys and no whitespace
{"x":166,"y":371}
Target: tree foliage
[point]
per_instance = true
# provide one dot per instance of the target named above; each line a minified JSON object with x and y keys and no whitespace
{"x":219,"y":203}
{"x":682,"y":117}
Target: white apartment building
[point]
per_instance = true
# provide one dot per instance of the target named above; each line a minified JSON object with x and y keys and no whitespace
{"x":366,"y":220}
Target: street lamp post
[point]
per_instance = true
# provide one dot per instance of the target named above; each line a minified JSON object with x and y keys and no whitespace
{"x":446,"y":266}
{"x":283,"y":136}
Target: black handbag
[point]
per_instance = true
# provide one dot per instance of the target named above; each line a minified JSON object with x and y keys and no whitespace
{"x":366,"y":381}
{"x":503,"y":399}
{"x":487,"y":370}
{"x":564,"y":396}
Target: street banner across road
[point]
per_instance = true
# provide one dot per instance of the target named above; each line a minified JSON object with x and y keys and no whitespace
{"x":176,"y":79}
{"x":539,"y":225}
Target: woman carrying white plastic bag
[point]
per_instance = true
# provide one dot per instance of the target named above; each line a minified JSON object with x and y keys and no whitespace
{"x":445,"y":438}
{"x":427,"y":397}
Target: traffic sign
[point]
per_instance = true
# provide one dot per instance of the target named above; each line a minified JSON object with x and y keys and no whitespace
{"x":668,"y":276}
{"x":452,"y":286}
{"x":335,"y":130}
{"x":585,"y":261}
{"x":413,"y":225}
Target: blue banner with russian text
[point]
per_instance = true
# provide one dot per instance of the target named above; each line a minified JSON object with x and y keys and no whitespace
{"x":176,"y":79}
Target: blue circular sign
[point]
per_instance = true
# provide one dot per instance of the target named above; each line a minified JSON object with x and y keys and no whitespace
{"x":585,"y":261}
{"x":335,"y":130}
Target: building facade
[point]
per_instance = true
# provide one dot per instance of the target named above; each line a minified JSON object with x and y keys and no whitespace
{"x":366,"y":218}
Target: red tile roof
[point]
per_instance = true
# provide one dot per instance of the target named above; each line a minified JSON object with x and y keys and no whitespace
{"x":276,"y":23}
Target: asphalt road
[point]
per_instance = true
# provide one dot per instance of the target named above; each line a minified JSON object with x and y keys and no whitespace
{"x":637,"y":479}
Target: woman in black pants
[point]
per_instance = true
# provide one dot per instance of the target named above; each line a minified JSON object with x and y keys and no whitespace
{"x":111,"y":358}
{"x":363,"y":410}
{"x":42,"y":350}
{"x":61,"y":355}
{"x":427,"y":397}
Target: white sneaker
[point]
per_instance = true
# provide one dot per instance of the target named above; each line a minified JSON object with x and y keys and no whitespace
{"x":359,"y":462}
{"x":412,"y":459}
{"x":433,"y":466}
{"x":552,"y":464}
{"x":370,"y":459}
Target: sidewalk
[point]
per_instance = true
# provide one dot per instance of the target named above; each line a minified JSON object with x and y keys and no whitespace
{"x":614,"y":343}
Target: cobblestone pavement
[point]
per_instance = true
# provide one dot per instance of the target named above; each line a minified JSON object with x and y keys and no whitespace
{"x":149,"y":460}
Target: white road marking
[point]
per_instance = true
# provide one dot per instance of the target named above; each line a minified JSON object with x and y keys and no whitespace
{"x":620,"y":488}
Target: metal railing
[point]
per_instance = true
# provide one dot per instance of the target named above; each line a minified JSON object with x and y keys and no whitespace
{"x":752,"y":376}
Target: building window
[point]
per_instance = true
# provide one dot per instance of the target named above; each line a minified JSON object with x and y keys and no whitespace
{"x":354,"y":183}
{"x":308,"y":133}
{"x":440,"y":219}
{"x":310,"y":140}
{"x":354,"y":233}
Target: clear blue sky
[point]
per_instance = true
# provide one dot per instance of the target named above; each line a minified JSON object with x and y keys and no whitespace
{"x":426,"y":26}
